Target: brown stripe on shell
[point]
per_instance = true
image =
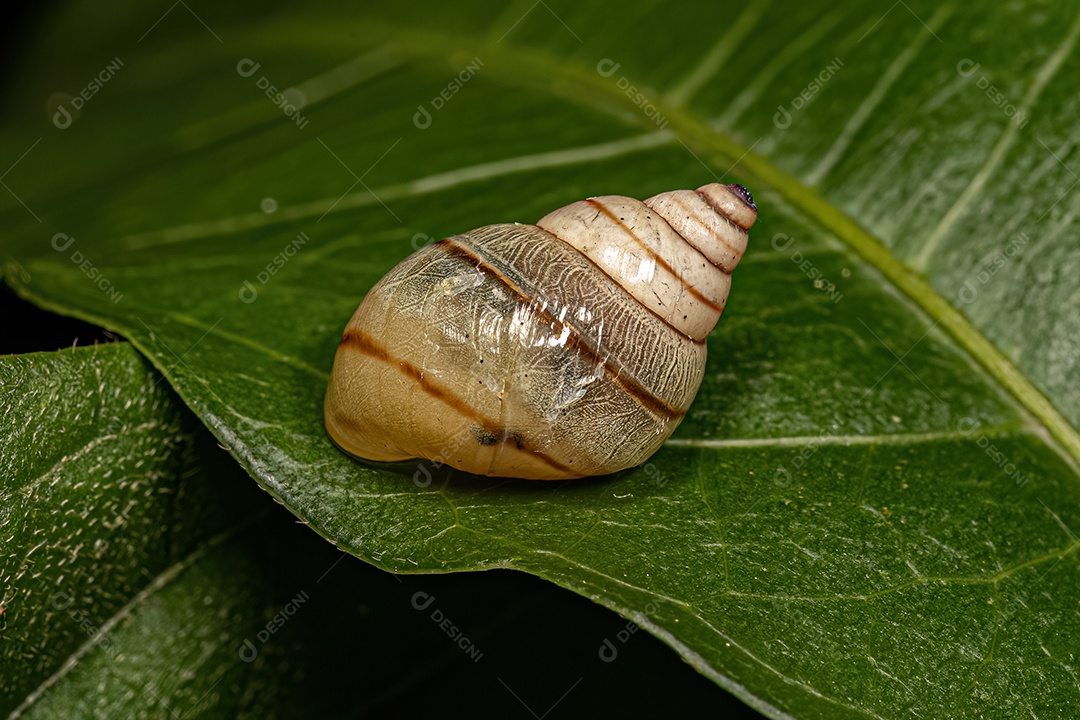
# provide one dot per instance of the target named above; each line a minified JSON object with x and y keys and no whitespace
{"x":739,"y":195}
{"x":704,"y":226}
{"x":652,"y":254}
{"x":360,"y":341}
{"x":601,"y":270}
{"x":635,"y":390}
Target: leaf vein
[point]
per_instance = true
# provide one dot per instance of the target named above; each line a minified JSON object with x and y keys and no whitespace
{"x":1005,"y":142}
{"x":877,"y":94}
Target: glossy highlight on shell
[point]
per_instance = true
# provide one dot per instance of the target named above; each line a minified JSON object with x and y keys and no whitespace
{"x":568,"y":348}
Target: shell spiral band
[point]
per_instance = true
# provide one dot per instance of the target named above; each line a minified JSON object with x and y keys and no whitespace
{"x":568,"y":348}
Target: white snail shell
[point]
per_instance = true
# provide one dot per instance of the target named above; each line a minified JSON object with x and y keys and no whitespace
{"x":567,"y":348}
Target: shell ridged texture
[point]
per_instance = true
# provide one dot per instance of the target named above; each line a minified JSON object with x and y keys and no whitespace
{"x":568,"y":348}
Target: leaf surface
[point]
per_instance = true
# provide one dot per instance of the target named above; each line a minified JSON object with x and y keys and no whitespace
{"x":202,"y":597}
{"x":868,"y":510}
{"x":121,"y":571}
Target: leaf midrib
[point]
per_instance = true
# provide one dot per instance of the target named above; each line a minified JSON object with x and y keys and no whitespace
{"x":540,"y":67}
{"x":581,"y":86}
{"x":852,"y":234}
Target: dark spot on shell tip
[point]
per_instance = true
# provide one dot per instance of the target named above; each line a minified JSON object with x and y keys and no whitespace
{"x":743,"y":195}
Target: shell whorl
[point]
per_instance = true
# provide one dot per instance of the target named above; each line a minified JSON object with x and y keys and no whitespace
{"x":567,"y":348}
{"x":673,"y":253}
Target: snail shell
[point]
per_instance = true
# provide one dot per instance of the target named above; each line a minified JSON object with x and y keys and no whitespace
{"x":567,"y":348}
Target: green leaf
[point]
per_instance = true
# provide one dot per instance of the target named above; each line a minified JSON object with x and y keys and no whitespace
{"x":119,"y":521}
{"x":200,"y":598}
{"x":867,"y":512}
